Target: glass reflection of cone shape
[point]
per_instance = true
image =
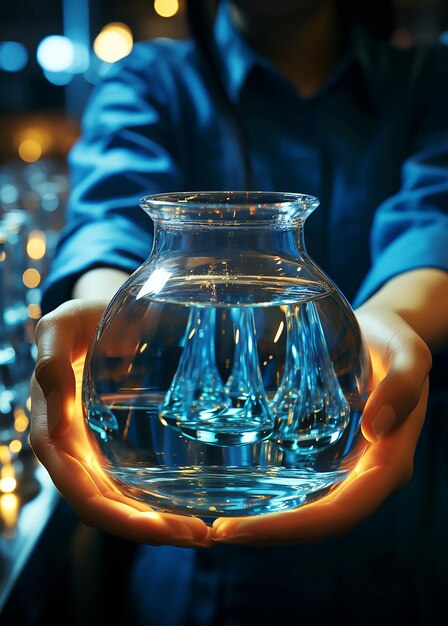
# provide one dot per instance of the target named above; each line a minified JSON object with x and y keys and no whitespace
{"x":196,"y":395}
{"x":311,"y":410}
{"x":250,"y":415}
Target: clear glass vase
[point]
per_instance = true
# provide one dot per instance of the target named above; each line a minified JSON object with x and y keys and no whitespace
{"x":228,"y":375}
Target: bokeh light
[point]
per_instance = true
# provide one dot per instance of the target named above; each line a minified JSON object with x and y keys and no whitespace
{"x":8,"y":484}
{"x":9,"y":510}
{"x":166,"y":8}
{"x":21,"y":421}
{"x":36,"y":245}
{"x":34,"y":311}
{"x":32,"y":143}
{"x":58,"y":78}
{"x":13,"y":56}
{"x":15,"y":446}
{"x":114,"y":42}
{"x":56,"y":53}
{"x":30,"y":150}
{"x":31,"y":277}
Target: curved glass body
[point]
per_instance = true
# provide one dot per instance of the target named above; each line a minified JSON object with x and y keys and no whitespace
{"x":228,"y":375}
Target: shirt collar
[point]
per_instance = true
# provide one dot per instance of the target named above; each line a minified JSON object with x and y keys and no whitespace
{"x":238,"y":58}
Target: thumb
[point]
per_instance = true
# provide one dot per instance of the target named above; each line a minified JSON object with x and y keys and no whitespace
{"x":63,"y":337}
{"x":406,"y":361}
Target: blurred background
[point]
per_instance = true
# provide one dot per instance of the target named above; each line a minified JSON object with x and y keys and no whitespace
{"x":52,"y":53}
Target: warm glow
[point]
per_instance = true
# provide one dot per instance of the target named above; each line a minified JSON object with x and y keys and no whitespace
{"x":166,"y":8}
{"x":8,"y":484}
{"x":34,"y":311}
{"x":114,"y":42}
{"x":21,"y":424}
{"x":8,"y":480}
{"x":5,"y":456}
{"x":9,"y":509}
{"x":20,"y":421}
{"x":32,"y":142}
{"x":30,"y":150}
{"x":31,"y":278}
{"x":36,"y":245}
{"x":15,"y":446}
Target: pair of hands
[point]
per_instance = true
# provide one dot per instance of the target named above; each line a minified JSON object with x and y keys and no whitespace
{"x":392,"y":421}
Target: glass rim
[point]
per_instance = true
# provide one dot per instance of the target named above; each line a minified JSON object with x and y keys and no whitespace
{"x":222,"y":204}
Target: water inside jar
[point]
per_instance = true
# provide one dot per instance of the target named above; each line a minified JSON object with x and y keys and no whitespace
{"x":233,"y":409}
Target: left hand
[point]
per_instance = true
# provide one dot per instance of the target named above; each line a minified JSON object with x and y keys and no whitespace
{"x":391,"y":422}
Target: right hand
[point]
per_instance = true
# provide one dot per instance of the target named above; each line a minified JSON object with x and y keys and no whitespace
{"x":60,"y":441}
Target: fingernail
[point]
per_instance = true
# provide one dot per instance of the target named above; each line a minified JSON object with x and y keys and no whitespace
{"x":384,"y":421}
{"x":53,"y":411}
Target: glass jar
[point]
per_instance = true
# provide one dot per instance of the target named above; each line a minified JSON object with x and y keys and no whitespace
{"x":228,"y":374}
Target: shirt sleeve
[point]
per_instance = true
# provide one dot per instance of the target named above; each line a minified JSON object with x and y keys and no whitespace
{"x":127,"y":150}
{"x":410,"y":229}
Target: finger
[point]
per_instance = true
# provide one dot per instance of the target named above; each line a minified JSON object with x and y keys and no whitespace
{"x":150,"y":527}
{"x":118,"y":514}
{"x":313,"y":522}
{"x":407,"y":362}
{"x":38,"y":424}
{"x":386,"y":465}
{"x":62,"y":337}
{"x":74,"y":443}
{"x":73,"y":440}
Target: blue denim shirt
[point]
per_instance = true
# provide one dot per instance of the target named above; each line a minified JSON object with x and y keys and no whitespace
{"x":372,"y":144}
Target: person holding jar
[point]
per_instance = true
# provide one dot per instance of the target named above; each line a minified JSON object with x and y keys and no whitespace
{"x":291,"y":95}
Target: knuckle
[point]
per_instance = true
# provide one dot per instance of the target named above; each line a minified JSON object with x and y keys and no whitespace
{"x":44,"y":369}
{"x":54,"y":319}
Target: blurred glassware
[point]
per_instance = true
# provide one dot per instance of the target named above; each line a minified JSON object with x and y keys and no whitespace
{"x":32,"y":212}
{"x":16,"y":332}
